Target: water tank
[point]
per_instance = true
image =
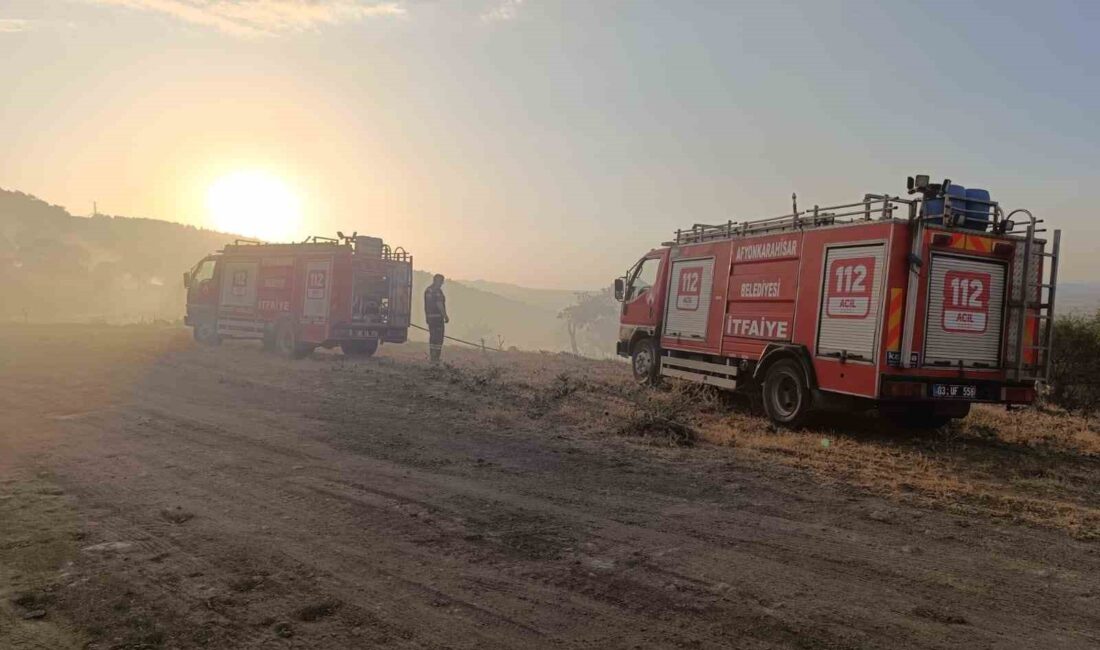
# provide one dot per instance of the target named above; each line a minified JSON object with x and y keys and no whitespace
{"x":934,"y":208}
{"x":368,"y":246}
{"x":978,"y":209}
{"x":956,"y":212}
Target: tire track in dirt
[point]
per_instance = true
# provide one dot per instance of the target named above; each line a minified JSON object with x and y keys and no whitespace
{"x":376,"y":504}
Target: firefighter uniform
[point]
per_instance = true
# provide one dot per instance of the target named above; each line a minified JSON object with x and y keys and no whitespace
{"x":435,"y":312}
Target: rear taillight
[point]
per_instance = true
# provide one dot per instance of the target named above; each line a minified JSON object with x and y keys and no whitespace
{"x":909,"y":389}
{"x":1018,"y":394}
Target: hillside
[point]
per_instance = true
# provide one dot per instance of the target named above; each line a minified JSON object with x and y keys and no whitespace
{"x":477,"y":314}
{"x":58,"y":267}
{"x":552,"y":299}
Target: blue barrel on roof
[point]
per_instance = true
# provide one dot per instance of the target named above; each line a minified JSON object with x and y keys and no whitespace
{"x":956,"y":208}
{"x":934,"y":208}
{"x":978,"y":209}
{"x":933,"y":211}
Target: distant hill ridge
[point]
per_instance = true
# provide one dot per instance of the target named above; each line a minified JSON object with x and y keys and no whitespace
{"x":55,"y":266}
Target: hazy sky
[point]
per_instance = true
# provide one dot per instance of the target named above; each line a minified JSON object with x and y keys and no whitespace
{"x":544,"y":142}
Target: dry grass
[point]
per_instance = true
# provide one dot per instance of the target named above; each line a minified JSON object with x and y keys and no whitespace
{"x":1038,"y":467}
{"x":1023,"y":466}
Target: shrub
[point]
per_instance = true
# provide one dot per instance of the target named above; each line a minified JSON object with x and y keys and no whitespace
{"x":1075,"y":363}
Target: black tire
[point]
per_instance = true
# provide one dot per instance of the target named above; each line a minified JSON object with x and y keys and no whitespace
{"x":787,"y":399}
{"x":645,"y":361}
{"x":360,"y":348}
{"x":287,"y":343}
{"x":206,"y":332}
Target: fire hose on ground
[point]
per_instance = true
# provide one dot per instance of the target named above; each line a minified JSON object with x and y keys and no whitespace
{"x":481,"y":345}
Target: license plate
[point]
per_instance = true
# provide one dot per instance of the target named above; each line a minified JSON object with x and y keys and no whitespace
{"x":957,"y":391}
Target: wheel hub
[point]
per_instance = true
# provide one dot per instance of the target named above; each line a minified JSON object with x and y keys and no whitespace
{"x":787,"y":395}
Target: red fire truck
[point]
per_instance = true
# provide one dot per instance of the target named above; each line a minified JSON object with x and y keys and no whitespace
{"x":355,"y":292}
{"x":918,"y":306}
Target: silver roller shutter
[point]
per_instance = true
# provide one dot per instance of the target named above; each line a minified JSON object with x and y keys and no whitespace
{"x":849,"y":321}
{"x":689,"y":298}
{"x":960,"y":325}
{"x":239,"y":281}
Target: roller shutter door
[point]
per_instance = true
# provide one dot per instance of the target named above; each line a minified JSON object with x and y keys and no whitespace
{"x":851,"y":302}
{"x":965,"y":312}
{"x":239,"y":285}
{"x":689,"y":298}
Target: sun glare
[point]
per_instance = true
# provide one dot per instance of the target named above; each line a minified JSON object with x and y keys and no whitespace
{"x":254,"y":204}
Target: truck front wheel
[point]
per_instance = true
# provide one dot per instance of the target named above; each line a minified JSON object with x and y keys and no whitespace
{"x":787,"y":399}
{"x":645,"y":360}
{"x":206,"y":332}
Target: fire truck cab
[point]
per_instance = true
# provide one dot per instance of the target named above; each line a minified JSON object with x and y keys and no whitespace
{"x":917,"y":306}
{"x":355,"y":292}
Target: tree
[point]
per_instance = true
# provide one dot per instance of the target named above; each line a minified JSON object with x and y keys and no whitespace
{"x":595,"y":314}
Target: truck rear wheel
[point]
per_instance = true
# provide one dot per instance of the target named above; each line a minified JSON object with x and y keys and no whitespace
{"x":645,"y":360}
{"x":359,"y":348}
{"x":786,"y":396}
{"x":287,"y":343}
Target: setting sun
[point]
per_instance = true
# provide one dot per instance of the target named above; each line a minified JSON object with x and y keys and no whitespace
{"x":254,"y":204}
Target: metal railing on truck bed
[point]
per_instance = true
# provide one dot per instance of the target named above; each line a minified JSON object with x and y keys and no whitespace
{"x":871,"y":207}
{"x":313,"y":244}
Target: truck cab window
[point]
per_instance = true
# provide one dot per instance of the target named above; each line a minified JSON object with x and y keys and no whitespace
{"x":204,"y":272}
{"x":645,"y":276}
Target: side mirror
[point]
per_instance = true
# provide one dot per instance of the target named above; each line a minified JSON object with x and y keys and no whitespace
{"x":620,"y":289}
{"x":186,"y":280}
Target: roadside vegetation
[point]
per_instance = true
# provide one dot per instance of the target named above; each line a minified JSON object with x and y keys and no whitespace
{"x":1075,"y":367}
{"x":1033,"y":466}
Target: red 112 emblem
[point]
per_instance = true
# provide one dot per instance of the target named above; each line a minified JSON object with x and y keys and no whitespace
{"x":965,"y":302}
{"x":848,"y":287}
{"x":691,"y":285}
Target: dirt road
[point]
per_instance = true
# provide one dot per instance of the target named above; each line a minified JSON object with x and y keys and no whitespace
{"x":158,"y":494}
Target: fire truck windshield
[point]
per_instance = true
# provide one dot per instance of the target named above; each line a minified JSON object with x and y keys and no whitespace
{"x":205,"y":271}
{"x":645,"y":274}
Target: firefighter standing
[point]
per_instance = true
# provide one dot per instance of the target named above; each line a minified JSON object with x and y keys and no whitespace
{"x":435,"y":312}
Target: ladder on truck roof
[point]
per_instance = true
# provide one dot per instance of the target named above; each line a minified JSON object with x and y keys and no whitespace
{"x":1031,"y":299}
{"x":873,"y":206}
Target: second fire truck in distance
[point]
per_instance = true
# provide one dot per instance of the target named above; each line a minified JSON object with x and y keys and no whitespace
{"x":354,"y":292}
{"x":919,"y":306}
